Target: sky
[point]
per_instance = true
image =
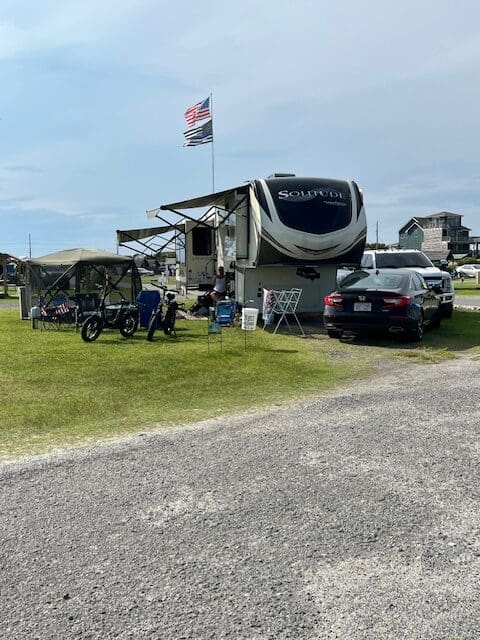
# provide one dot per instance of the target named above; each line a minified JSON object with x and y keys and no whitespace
{"x":93,"y":93}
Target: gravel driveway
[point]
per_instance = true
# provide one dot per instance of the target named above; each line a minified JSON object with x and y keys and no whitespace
{"x":354,"y":516}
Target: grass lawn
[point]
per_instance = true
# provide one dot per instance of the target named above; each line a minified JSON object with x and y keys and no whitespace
{"x":12,"y":295}
{"x":467,"y":288}
{"x":59,"y":390}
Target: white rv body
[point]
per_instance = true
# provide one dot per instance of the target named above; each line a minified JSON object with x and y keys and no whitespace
{"x":270,"y":253}
{"x":195,"y":252}
{"x":279,"y":232}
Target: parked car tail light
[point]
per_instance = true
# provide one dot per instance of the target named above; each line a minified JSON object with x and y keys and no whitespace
{"x":397,"y":302}
{"x":333,"y":301}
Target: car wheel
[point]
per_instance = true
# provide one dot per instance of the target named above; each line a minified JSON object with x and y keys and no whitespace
{"x":415,"y":335}
{"x":332,"y":333}
{"x":447,"y":310}
{"x":435,"y":321}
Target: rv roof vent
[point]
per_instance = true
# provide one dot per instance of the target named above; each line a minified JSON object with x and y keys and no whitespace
{"x":281,"y":175}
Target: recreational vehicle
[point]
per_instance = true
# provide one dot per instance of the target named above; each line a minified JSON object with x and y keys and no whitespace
{"x":279,"y":232}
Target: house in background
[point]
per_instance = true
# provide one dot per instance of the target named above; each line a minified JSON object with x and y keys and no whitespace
{"x":440,"y":236}
{"x":475,"y":246}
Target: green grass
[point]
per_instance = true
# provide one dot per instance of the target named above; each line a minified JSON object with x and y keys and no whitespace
{"x":61,"y":391}
{"x":12,"y":295}
{"x":467,"y":288}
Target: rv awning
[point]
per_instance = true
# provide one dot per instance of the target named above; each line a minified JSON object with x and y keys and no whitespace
{"x":130,"y":235}
{"x":212,"y":199}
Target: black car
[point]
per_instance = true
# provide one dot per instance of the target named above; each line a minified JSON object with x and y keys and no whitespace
{"x":396,"y":301}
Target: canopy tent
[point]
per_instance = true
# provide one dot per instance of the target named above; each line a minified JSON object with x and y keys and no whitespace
{"x":8,"y":271}
{"x":77,"y":274}
{"x":79,"y":256}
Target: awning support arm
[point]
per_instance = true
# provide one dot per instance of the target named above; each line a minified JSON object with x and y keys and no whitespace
{"x":234,"y":208}
{"x":121,"y":244}
{"x":184,"y":215}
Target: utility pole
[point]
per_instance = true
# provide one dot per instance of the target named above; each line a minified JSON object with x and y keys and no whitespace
{"x":376,"y":236}
{"x":30,"y":246}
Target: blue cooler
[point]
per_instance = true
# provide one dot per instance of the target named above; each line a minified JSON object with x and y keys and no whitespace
{"x":147,"y":302}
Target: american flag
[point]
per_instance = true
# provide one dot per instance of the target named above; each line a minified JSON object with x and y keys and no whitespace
{"x":198,"y":112}
{"x":62,"y":309}
{"x":199,"y":135}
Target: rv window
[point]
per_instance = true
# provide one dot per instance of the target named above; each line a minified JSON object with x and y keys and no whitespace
{"x":179,"y":251}
{"x":201,"y":241}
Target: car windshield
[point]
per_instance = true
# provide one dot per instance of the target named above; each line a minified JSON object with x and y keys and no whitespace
{"x":364,"y":280}
{"x":395,"y":260}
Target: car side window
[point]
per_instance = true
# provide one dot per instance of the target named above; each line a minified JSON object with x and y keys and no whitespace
{"x":423,"y":284}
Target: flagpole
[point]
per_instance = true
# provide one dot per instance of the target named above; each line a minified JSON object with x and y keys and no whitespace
{"x":213,"y":138}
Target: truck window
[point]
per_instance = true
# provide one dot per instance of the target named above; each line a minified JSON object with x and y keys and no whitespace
{"x":367,"y":262}
{"x":407,"y":259}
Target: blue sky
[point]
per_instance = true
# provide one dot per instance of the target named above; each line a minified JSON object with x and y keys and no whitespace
{"x":93,"y":95}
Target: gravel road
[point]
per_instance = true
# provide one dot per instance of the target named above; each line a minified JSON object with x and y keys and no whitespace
{"x":354,"y":515}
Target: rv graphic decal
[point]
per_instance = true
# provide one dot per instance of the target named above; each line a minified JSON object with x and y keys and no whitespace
{"x":304,"y":196}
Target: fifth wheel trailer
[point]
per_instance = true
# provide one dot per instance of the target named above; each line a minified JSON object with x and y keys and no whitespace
{"x":279,"y":232}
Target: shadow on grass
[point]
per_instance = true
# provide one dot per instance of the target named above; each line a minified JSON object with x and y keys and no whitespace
{"x":460,"y":333}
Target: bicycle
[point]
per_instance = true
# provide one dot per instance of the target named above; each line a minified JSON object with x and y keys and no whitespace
{"x":122,"y":315}
{"x":159,"y":320}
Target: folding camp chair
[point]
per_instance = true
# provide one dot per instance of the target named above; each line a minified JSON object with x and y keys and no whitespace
{"x":57,"y":312}
{"x":285,"y":303}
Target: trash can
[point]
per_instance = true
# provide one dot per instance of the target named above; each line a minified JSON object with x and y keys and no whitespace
{"x":147,"y":302}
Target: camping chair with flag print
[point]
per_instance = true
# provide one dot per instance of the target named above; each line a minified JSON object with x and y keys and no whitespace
{"x":285,"y":303}
{"x":57,"y":312}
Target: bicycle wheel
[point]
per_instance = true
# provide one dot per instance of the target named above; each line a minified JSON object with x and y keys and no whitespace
{"x":128,"y":324}
{"x":169,"y":320}
{"x":152,"y":325}
{"x":91,"y":329}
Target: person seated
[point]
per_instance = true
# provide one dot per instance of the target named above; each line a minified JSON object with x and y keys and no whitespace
{"x":219,"y":284}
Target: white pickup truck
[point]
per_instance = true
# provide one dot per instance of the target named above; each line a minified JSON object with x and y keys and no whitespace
{"x":417,"y":261}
